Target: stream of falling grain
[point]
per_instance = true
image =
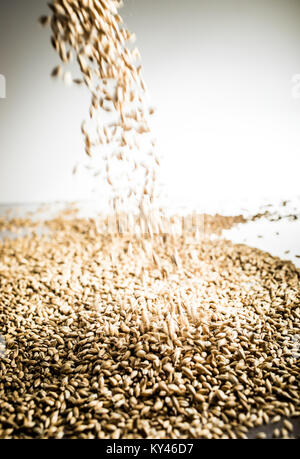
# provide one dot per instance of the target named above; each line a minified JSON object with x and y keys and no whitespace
{"x":117,"y":130}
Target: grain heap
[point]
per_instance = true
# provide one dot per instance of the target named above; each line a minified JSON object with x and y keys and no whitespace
{"x":106,"y":339}
{"x":118,"y":129}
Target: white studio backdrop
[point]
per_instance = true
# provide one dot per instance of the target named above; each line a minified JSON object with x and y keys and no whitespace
{"x":222,"y":74}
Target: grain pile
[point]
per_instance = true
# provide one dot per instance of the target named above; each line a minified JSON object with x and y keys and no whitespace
{"x":117,"y":131}
{"x":122,"y":224}
{"x":170,"y":337}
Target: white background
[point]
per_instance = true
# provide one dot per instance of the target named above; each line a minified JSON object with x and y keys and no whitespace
{"x":219,"y":73}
